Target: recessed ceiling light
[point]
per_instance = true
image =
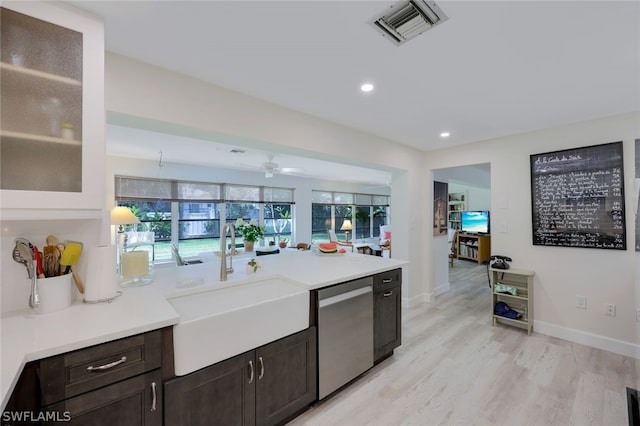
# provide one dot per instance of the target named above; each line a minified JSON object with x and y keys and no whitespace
{"x":445,"y":134}
{"x":366,"y":87}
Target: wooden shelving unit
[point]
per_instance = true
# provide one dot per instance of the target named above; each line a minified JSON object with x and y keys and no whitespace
{"x":474,"y":247}
{"x":522,"y":302}
{"x":456,"y":204}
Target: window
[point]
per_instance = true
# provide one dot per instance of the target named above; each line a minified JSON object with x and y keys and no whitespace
{"x":190,"y":214}
{"x":277,"y":220}
{"x":321,"y":221}
{"x":363,"y":222}
{"x":244,"y":211}
{"x":198,"y":227}
{"x":154,"y":216}
{"x":366,"y":212}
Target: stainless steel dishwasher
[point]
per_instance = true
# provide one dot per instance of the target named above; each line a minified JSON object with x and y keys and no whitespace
{"x":345,"y":333}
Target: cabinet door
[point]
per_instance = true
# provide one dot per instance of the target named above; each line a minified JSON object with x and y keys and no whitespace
{"x":223,"y":394}
{"x":286,"y":377}
{"x":52,"y":96}
{"x":387,"y":320}
{"x":135,"y":401}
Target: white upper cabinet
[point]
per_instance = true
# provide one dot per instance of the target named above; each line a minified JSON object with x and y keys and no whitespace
{"x":52,"y":125}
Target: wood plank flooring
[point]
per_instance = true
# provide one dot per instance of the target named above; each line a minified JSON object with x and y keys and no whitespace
{"x":454,"y":368}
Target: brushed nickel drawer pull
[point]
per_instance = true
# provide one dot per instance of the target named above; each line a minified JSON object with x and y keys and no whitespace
{"x":261,"y":375}
{"x":387,"y":280}
{"x":251,"y":372}
{"x":107,"y":366}
{"x":153,"y":392}
{"x":387,"y":294}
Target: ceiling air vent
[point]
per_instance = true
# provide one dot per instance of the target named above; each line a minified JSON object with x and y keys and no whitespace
{"x":407,"y":20}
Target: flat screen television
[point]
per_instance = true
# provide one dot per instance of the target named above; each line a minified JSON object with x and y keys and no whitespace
{"x":475,"y":222}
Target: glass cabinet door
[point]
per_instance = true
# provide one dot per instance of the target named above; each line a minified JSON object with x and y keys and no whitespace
{"x":52,"y":112}
{"x":41,"y":104}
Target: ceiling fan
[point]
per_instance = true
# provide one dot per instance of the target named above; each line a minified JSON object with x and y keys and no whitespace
{"x":270,"y":168}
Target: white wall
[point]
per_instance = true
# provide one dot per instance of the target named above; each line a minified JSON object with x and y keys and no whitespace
{"x":603,"y":276}
{"x":477,"y":198}
{"x":149,"y":97}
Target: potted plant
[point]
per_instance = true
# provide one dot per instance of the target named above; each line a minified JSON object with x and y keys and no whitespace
{"x":250,"y":231}
{"x":253,"y":266}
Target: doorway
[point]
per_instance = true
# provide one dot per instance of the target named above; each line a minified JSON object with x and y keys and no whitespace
{"x":469,"y":189}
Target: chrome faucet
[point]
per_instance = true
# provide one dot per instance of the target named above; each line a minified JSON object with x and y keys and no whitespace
{"x":223,"y":251}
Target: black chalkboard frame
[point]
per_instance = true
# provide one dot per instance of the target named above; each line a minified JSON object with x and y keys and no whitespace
{"x":607,"y":157}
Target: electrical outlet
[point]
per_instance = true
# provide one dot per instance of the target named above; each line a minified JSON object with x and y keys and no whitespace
{"x":638,"y":315}
{"x":581,"y":302}
{"x":610,"y":310}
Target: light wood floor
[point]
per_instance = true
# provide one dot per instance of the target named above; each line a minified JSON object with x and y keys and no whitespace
{"x":454,"y":368}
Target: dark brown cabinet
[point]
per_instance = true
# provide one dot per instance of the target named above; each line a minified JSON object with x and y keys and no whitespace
{"x":74,"y":373}
{"x":387,"y":313}
{"x":223,"y":393}
{"x":266,"y":386}
{"x":117,"y":382}
{"x":287,"y":378}
{"x":135,"y":401}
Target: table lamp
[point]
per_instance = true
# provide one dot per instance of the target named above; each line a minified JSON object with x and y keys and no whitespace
{"x":346,"y":227}
{"x":121,"y":216}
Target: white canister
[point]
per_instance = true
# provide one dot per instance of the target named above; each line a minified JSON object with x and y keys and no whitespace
{"x":54,"y":293}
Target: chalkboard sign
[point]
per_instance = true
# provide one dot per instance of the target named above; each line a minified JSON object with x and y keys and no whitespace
{"x":577,"y":197}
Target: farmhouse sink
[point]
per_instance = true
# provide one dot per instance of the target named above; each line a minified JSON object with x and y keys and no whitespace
{"x":220,"y":323}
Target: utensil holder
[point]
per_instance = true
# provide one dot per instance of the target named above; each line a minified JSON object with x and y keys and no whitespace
{"x":55,"y":293}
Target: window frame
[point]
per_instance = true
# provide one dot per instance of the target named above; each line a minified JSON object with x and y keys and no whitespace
{"x":378,"y":206}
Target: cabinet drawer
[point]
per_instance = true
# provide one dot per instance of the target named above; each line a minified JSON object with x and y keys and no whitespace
{"x":387,"y":279}
{"x":135,"y":401}
{"x":73,"y":373}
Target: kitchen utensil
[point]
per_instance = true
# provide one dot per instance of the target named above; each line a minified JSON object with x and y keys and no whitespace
{"x":59,"y":251}
{"x":24,"y":254}
{"x":51,"y":261}
{"x":70,"y":258}
{"x":70,"y":255}
{"x":19,"y":256}
{"x":38,"y":256}
{"x":52,"y":240}
{"x":24,"y":241}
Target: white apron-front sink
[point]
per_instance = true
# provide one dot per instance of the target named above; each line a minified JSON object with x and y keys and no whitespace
{"x":217,"y":324}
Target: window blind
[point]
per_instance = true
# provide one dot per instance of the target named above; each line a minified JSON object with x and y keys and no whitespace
{"x":343,"y":198}
{"x":144,"y":189}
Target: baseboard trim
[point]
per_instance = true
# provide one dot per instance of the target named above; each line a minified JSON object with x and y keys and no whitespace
{"x":408,"y":302}
{"x":589,"y":339}
{"x":441,"y":289}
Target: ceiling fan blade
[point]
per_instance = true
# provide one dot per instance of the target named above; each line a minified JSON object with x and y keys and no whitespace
{"x":291,"y":170}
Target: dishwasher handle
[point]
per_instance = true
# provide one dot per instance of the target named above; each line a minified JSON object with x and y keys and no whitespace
{"x":339,"y":298}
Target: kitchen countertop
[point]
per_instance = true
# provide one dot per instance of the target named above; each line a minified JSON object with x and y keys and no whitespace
{"x":27,"y":337}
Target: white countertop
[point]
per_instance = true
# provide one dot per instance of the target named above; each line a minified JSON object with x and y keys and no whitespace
{"x":27,"y":337}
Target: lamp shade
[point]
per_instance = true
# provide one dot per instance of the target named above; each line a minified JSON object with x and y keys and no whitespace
{"x":346,"y":225}
{"x":123,"y":216}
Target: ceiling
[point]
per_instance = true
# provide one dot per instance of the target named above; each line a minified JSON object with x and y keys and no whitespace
{"x":170,"y":148}
{"x":492,"y":69}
